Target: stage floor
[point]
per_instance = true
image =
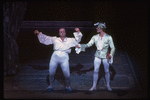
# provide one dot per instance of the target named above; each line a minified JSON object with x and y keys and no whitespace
{"x":33,"y":75}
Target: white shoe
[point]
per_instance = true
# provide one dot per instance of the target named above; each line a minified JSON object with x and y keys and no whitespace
{"x":109,"y":88}
{"x":92,"y":88}
{"x":49,"y":87}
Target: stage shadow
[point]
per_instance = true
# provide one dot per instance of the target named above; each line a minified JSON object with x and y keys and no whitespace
{"x":120,"y":92}
{"x":101,"y":72}
{"x":63,"y":91}
{"x":59,"y":76}
{"x":38,"y":67}
{"x":86,"y":92}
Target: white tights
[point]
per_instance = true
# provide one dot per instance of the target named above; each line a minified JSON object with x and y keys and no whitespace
{"x":61,"y":58}
{"x":97,"y":63}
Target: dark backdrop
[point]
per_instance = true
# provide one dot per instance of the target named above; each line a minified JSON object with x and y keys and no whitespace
{"x":125,"y":21}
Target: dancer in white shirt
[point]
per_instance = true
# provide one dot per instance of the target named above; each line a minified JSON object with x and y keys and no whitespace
{"x":62,"y":47}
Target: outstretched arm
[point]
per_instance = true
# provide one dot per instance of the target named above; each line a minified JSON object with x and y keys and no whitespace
{"x":89,"y":44}
{"x":44,"y":39}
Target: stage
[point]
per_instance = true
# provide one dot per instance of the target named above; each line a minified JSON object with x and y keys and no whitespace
{"x":32,"y":75}
{"x":26,"y":60}
{"x":32,"y":78}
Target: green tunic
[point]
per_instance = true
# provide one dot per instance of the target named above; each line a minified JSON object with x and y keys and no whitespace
{"x":108,"y":41}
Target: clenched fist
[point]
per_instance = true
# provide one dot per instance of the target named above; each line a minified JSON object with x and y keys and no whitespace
{"x":36,"y":32}
{"x":77,"y":30}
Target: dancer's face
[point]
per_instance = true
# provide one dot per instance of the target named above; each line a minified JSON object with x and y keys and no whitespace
{"x":99,"y":30}
{"x":62,"y":32}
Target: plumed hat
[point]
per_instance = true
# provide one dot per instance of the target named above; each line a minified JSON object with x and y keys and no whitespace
{"x":100,"y":25}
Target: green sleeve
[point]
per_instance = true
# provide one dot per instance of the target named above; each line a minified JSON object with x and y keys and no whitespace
{"x":111,"y":43}
{"x":89,"y":44}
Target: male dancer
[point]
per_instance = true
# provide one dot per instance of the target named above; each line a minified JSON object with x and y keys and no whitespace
{"x":102,"y":42}
{"x":62,"y":47}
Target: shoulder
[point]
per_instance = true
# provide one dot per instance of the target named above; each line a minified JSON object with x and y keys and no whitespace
{"x":54,"y":37}
{"x":107,"y":35}
{"x":95,"y":36}
{"x":74,"y":33}
{"x":70,"y":38}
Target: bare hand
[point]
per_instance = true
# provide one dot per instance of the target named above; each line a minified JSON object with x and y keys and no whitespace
{"x":36,"y":32}
{"x":108,"y":56}
{"x":77,"y":30}
{"x":77,"y":46}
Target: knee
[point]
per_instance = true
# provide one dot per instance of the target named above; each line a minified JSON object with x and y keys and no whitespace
{"x":66,"y":74}
{"x":95,"y":74}
{"x":96,"y":70}
{"x":51,"y":73}
{"x":106,"y":71}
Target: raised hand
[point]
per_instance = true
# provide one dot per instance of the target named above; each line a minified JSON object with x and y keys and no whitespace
{"x":36,"y":32}
{"x":77,"y":29}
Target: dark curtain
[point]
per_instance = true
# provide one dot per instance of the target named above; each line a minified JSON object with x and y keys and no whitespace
{"x":13,"y":14}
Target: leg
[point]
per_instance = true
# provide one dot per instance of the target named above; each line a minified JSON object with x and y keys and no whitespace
{"x":65,"y":68}
{"x":107,"y":75}
{"x":66,"y":72}
{"x":97,"y":63}
{"x":52,"y":69}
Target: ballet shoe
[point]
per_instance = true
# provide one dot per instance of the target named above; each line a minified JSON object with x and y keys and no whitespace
{"x":49,"y":89}
{"x":109,"y":88}
{"x":92,"y":88}
{"x":68,"y":89}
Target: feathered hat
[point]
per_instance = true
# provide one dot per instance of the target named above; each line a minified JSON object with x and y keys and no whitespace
{"x":101,"y":25}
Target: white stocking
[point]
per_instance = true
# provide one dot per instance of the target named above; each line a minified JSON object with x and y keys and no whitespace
{"x":107,"y":75}
{"x":97,"y":63}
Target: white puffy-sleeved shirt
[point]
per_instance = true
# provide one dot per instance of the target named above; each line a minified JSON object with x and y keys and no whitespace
{"x":60,"y":45}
